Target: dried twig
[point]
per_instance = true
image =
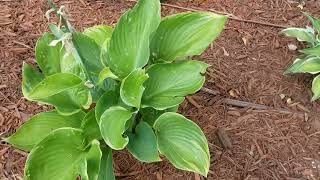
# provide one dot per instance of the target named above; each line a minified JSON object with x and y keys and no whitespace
{"x":210,"y":91}
{"x":22,"y":44}
{"x":244,"y":104}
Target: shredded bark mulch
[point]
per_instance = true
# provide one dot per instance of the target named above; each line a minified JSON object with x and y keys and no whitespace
{"x":259,"y":123}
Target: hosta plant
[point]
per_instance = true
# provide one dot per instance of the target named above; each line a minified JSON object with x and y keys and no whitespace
{"x":309,"y":62}
{"x":114,"y":89}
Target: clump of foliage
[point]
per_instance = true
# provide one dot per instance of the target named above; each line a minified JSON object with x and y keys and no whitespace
{"x":114,"y":89}
{"x":309,"y":62}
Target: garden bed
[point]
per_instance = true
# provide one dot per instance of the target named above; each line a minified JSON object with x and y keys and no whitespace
{"x":279,"y":140}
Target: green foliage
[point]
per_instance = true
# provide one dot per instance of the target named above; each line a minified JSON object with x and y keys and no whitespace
{"x":310,"y":60}
{"x":115,"y":89}
{"x":179,"y":139}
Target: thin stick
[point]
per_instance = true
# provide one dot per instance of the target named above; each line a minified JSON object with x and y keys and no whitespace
{"x":210,"y":91}
{"x":255,"y":106}
{"x":244,"y":104}
{"x":231,"y":16}
{"x":316,"y":133}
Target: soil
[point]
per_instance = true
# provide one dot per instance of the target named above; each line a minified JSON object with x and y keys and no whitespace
{"x":248,"y":62}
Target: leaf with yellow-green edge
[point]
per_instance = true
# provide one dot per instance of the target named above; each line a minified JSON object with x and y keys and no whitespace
{"x":295,"y":65}
{"x":48,"y":57}
{"x":143,"y":143}
{"x":168,"y":84}
{"x":104,"y":53}
{"x":309,"y":65}
{"x":108,"y":99}
{"x":93,"y":158}
{"x":60,"y":155}
{"x":183,"y":143}
{"x":64,"y":102}
{"x":81,"y":94}
{"x":316,"y":88}
{"x":129,"y":43}
{"x":106,"y":73}
{"x":131,"y":89}
{"x":300,"y":33}
{"x":40,"y":125}
{"x":113,"y":125}
{"x":106,"y":166}
{"x":99,"y":34}
{"x":150,"y":115}
{"x":185,"y":34}
{"x":54,"y":84}
{"x":314,"y":51}
{"x":90,"y":126}
{"x":30,"y":79}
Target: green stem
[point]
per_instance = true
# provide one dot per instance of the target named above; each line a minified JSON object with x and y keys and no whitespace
{"x":69,"y":44}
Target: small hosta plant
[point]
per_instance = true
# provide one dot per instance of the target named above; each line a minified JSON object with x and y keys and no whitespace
{"x":309,"y":62}
{"x":115,"y":89}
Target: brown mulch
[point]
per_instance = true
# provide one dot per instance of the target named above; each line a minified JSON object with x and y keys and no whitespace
{"x":247,"y":64}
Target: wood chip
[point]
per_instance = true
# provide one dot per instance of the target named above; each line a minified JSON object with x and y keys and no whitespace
{"x":193,"y":102}
{"x":224,"y":138}
{"x":196,"y":176}
{"x":3,"y":86}
{"x":234,"y":113}
{"x":1,"y":119}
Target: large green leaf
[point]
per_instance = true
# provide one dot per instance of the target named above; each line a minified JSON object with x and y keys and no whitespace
{"x":300,"y":33}
{"x":40,"y":125}
{"x":30,"y":79}
{"x":59,"y":156}
{"x":150,"y":115}
{"x":185,"y":34}
{"x":315,"y":51}
{"x":104,"y":52}
{"x":48,"y":57}
{"x":143,"y":144}
{"x":99,"y":34}
{"x":63,"y":102}
{"x":295,"y":66}
{"x":310,"y":65}
{"x":169,"y":83}
{"x":129,"y":43}
{"x":132,"y":88}
{"x":316,"y":88}
{"x":90,"y":126}
{"x":54,"y":84}
{"x":93,"y":158}
{"x":89,"y":52}
{"x":107,"y":100}
{"x":315,"y":22}
{"x":106,"y":166}
{"x":113,"y":125}
{"x":66,"y":102}
{"x":183,"y":143}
